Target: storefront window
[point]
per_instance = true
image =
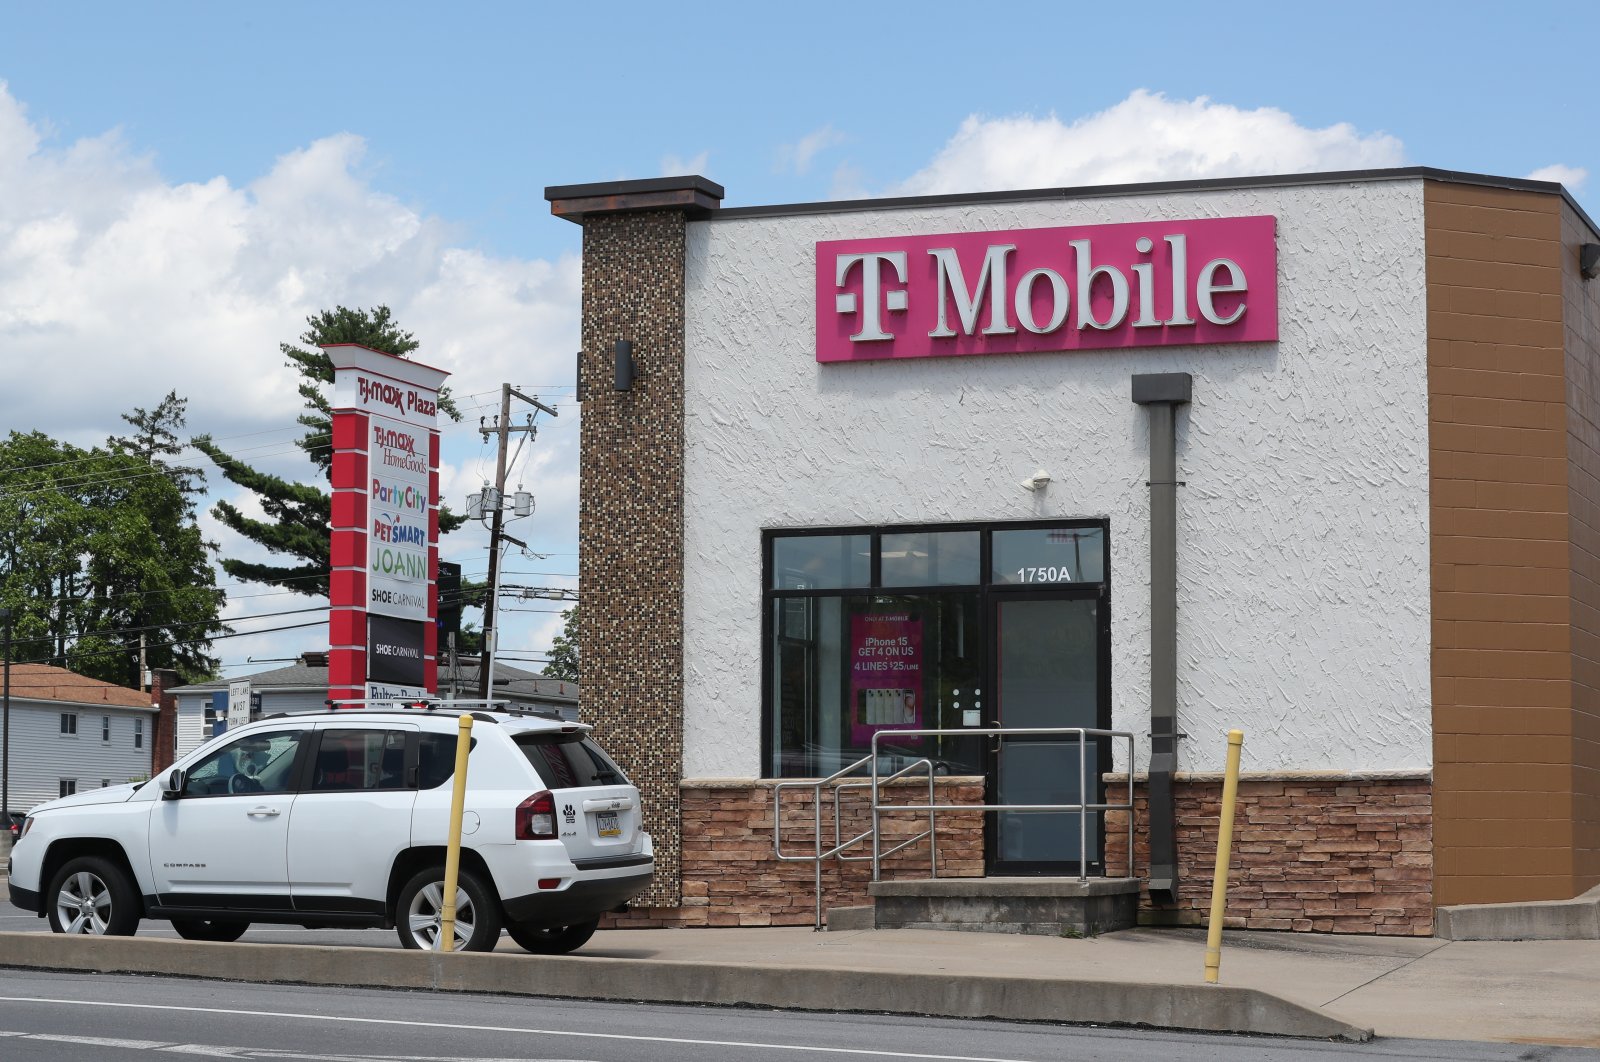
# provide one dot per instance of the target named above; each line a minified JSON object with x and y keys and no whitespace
{"x":821,"y":562}
{"x":871,"y":663}
{"x":931,"y":558}
{"x":1049,"y":555}
{"x":863,"y":637}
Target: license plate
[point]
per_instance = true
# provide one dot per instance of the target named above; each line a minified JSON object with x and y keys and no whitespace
{"x":607,"y":822}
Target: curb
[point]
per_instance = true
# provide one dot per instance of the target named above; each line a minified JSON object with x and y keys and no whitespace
{"x":1168,"y":1006}
{"x":1574,"y":919}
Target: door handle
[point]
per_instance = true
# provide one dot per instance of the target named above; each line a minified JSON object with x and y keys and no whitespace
{"x":995,"y":748}
{"x":264,"y":812}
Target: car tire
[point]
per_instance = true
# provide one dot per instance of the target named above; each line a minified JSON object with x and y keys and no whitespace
{"x":206,"y":929}
{"x":94,"y":896}
{"x":552,"y":940}
{"x":417,"y":912}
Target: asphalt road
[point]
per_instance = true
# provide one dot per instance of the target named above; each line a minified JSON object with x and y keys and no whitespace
{"x":51,"y":1017}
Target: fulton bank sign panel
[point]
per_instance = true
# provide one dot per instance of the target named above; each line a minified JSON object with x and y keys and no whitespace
{"x":384,"y":602}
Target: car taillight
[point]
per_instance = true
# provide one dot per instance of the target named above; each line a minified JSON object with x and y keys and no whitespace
{"x":27,"y":824}
{"x":536,"y":818}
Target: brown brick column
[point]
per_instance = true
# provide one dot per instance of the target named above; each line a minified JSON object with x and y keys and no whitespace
{"x":630,"y":508}
{"x":1514,"y":482}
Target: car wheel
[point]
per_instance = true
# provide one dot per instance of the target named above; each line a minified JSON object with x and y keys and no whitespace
{"x":92,"y":895}
{"x":552,"y":940}
{"x":421,"y":905}
{"x":205,"y":929}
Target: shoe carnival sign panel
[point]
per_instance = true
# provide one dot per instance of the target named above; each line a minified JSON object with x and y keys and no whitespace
{"x":1086,"y":287}
{"x":384,"y":549}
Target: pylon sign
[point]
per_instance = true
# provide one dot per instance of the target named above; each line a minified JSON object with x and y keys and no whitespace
{"x":383,"y":592}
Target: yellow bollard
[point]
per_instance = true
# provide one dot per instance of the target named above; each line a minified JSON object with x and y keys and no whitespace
{"x":1219,"y":880}
{"x":452,"y":855}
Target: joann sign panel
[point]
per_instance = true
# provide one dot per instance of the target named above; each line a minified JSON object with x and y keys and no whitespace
{"x":1146,"y":284}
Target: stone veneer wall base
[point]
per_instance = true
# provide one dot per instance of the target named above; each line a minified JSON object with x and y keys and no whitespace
{"x":1333,"y":854}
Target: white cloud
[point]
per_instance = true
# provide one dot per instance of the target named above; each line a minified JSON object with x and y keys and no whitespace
{"x":1571,"y":176}
{"x":797,"y":157}
{"x":677,"y":166}
{"x":117,"y":285}
{"x":1146,"y":137}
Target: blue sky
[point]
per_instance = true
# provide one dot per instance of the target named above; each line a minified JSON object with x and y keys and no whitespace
{"x":181,"y":183}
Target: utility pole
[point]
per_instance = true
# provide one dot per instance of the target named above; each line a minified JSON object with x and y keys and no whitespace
{"x":5,"y":725}
{"x":503,"y":428}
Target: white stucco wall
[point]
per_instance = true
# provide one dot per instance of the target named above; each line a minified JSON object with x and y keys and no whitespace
{"x":1303,"y":530}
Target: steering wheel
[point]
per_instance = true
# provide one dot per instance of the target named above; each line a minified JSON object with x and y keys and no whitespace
{"x":243,"y":783}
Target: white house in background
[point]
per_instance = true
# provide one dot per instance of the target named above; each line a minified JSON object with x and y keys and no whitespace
{"x":71,"y":733}
{"x":303,"y":687}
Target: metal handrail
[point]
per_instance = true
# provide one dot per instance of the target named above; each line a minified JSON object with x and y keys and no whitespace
{"x":839,"y":844}
{"x":1082,"y":807}
{"x":876,"y":782}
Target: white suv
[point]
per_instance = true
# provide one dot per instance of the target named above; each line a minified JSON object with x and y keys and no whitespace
{"x":340,"y":819}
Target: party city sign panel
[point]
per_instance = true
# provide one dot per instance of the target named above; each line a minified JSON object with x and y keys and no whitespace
{"x":397,"y":504}
{"x":1088,"y":287}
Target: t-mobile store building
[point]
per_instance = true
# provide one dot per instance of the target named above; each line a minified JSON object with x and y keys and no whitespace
{"x":1316,"y":457}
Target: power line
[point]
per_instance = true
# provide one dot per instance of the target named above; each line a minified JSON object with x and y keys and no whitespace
{"x":95,"y":633}
{"x":181,"y":641}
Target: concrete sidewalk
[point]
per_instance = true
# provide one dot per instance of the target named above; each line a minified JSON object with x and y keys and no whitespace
{"x":1282,"y":983}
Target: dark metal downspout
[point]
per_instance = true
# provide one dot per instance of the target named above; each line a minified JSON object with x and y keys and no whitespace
{"x":1162,"y":393}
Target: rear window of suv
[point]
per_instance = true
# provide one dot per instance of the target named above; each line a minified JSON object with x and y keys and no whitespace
{"x":569,"y":761}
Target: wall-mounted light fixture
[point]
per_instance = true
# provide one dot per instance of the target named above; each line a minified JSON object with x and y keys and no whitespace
{"x":1589,"y":260}
{"x":1038,"y":481}
{"x":625,"y":370}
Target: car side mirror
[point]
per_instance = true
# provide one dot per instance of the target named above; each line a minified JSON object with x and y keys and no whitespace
{"x":172,"y":784}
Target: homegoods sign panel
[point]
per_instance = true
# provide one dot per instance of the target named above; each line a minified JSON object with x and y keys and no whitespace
{"x":1145,"y":284}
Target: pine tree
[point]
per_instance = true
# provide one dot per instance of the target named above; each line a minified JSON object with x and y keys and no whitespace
{"x":298,"y":514}
{"x":155,"y":437}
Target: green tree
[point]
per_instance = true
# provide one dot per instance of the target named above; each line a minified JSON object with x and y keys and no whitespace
{"x":155,"y":440}
{"x":99,"y":548}
{"x":298,"y":514}
{"x":563,"y":657}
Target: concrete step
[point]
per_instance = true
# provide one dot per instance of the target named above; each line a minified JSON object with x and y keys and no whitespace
{"x":1574,"y":919}
{"x":1043,"y":906}
{"x":837,"y":919}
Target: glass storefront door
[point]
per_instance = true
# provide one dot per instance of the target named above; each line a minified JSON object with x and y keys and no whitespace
{"x":1049,"y":670}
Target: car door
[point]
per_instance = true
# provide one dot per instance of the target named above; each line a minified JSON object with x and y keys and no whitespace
{"x":222,"y":843}
{"x":353,"y":817}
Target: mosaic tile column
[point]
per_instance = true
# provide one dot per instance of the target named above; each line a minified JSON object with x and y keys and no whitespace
{"x":630,"y":511}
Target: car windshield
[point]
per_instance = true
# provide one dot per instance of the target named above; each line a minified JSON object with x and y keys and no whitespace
{"x":569,"y":761}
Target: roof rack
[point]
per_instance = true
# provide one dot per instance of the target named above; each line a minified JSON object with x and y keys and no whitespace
{"x":478,"y":707}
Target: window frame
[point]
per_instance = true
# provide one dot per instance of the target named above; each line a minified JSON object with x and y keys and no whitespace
{"x":105,"y":729}
{"x":138,"y":733}
{"x":66,"y":787}
{"x":985,"y":590}
{"x":69,"y":725}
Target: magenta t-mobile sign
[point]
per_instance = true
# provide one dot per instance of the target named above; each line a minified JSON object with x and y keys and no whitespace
{"x":1087,"y":287}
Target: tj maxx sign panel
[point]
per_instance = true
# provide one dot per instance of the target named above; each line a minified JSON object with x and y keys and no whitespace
{"x":1146,"y":284}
